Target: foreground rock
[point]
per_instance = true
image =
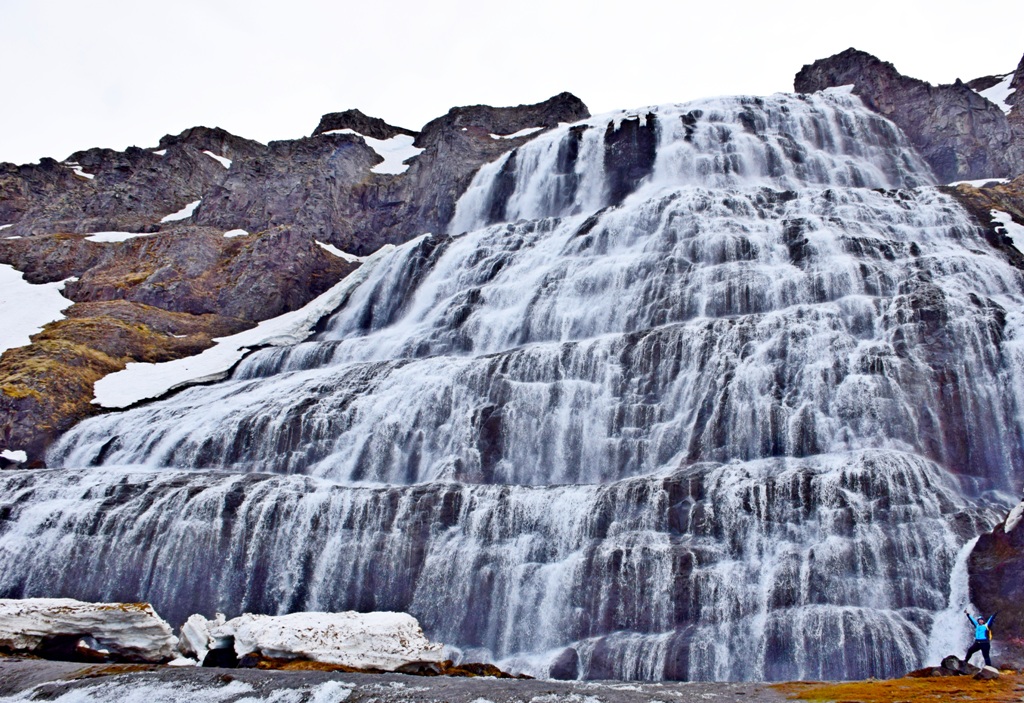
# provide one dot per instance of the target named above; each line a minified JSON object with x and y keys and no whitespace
{"x":996,"y":568}
{"x":958,"y":132}
{"x":71,"y":630}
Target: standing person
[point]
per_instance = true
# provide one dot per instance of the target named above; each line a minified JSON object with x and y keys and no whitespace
{"x":982,"y":637}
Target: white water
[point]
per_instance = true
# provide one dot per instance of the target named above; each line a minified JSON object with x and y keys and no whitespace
{"x":725,"y":408}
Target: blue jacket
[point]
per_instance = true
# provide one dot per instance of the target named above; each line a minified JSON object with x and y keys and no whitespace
{"x":981,"y":629}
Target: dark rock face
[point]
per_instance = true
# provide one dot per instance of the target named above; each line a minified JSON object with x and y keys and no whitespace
{"x":996,"y":568}
{"x":324,"y":185}
{"x":959,"y":133}
{"x":358,"y":122}
{"x":130,"y":190}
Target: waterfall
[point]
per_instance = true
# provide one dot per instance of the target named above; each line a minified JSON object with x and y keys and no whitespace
{"x":704,"y":391}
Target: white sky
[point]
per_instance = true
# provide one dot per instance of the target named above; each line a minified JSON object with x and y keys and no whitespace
{"x":82,"y":73}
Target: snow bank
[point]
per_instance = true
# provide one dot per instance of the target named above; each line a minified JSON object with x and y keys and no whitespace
{"x":184,"y":213}
{"x":161,"y":152}
{"x":236,"y":233}
{"x":1014,"y":518}
{"x":1013,"y":230}
{"x":196,"y":638}
{"x":331,"y":249}
{"x":998,"y":93}
{"x":515,"y":135}
{"x":130,"y":631}
{"x":114,"y":236}
{"x":76,"y":167}
{"x":395,"y":151}
{"x":979,"y":182}
{"x":17,"y":455}
{"x":25,"y":308}
{"x":362,"y":640}
{"x":223,"y":161}
{"x":140,"y":381}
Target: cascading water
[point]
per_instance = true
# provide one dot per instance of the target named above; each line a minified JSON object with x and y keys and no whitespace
{"x":711,"y":391}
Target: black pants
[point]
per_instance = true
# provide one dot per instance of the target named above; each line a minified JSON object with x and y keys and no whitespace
{"x":983,"y":646}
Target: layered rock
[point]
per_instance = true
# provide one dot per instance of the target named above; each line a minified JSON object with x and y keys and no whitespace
{"x":996,"y":568}
{"x":63,"y":628}
{"x":324,"y":185}
{"x":958,"y":132}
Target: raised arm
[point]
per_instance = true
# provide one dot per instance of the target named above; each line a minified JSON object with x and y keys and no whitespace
{"x":971,"y":618}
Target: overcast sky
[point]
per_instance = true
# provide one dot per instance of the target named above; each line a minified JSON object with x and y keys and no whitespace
{"x":111,"y":73}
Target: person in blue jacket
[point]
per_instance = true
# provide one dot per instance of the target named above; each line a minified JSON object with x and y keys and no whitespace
{"x":982,"y":637}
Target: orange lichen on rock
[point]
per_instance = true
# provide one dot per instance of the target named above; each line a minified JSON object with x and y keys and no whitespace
{"x":1006,"y":689}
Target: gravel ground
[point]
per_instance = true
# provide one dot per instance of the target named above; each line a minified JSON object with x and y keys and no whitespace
{"x":31,"y":680}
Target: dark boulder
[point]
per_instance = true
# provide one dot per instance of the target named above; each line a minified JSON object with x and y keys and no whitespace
{"x":996,"y":568}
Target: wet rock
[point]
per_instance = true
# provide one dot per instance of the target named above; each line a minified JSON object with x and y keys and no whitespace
{"x":959,"y":133}
{"x":566,"y":666}
{"x":996,"y":569}
{"x":71,"y":630}
{"x":987,"y":673}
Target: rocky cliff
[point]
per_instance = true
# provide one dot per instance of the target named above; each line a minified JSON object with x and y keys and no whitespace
{"x":996,"y":568}
{"x":961,"y":134}
{"x":169,"y":293}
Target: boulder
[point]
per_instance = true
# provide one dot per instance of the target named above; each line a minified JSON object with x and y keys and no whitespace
{"x":996,"y":578}
{"x":382,"y":641}
{"x":72,"y":630}
{"x":987,"y":673}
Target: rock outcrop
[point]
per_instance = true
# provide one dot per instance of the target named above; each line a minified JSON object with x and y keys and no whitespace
{"x":996,"y":568}
{"x":62,"y":628}
{"x":324,"y":185}
{"x":958,"y":132}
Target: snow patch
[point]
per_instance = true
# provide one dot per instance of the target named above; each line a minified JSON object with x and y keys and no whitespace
{"x":379,"y":640}
{"x":77,"y":169}
{"x":25,"y":308}
{"x":123,"y":628}
{"x":515,"y":135}
{"x":2,"y":227}
{"x":225,"y":162}
{"x":115,"y":236}
{"x":16,"y":455}
{"x":161,"y":152}
{"x":141,"y":381}
{"x":16,"y":236}
{"x":236,"y":233}
{"x":1014,"y":518}
{"x":840,"y":89}
{"x":979,"y":182}
{"x":184,"y":213}
{"x":330,"y":248}
{"x":999,"y":93}
{"x":1013,"y":230}
{"x":395,"y":151}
